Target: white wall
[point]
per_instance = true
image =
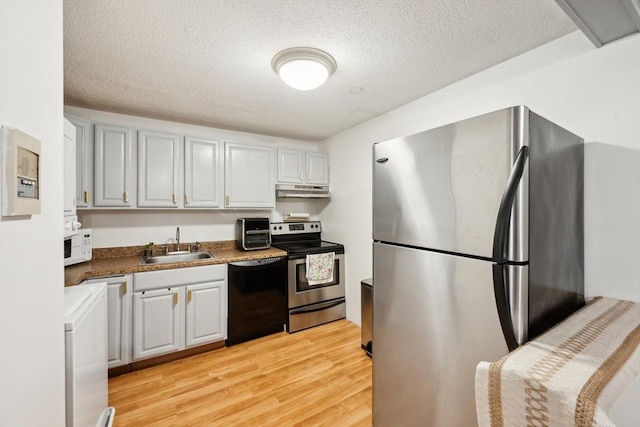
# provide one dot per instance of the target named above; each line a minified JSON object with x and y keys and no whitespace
{"x":612,"y":219}
{"x":594,"y":93}
{"x":31,"y":271}
{"x":137,"y":227}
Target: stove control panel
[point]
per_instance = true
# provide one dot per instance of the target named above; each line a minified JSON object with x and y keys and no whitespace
{"x":295,"y":227}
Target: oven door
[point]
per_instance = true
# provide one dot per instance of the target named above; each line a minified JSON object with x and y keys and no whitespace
{"x":301,"y":293}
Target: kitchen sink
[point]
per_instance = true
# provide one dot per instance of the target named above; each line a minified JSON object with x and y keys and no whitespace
{"x":182,"y":256}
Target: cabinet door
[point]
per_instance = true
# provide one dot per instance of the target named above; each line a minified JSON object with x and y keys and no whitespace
{"x":157,"y":325}
{"x":119,"y":298}
{"x":113,"y":161}
{"x":317,"y":168}
{"x":158,"y":162}
{"x":206,"y":313}
{"x":69,"y":163}
{"x":119,"y":306}
{"x":84,"y":161}
{"x":202,"y":173}
{"x":249,"y":176}
{"x":290,"y":166}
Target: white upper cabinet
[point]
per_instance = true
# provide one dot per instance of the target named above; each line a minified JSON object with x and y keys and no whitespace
{"x":84,"y":162}
{"x":299,"y":167}
{"x":126,"y":167}
{"x":113,"y":154}
{"x":317,"y":168}
{"x":69,"y":189}
{"x":202,"y":173}
{"x":290,"y":165}
{"x":249,"y":176}
{"x":158,"y":169}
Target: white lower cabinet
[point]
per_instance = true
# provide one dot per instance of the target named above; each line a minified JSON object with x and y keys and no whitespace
{"x":205,"y":325}
{"x":119,"y":297}
{"x":178,"y":309}
{"x":157,"y":322}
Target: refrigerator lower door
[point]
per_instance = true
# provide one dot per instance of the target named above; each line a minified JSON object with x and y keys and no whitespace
{"x":434,"y":319}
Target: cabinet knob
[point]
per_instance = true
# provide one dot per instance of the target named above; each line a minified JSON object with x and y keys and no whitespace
{"x":124,"y":287}
{"x":174,"y":198}
{"x":86,"y":197}
{"x":189,"y":295}
{"x":186,"y":199}
{"x":125,"y":197}
{"x":175,"y":298}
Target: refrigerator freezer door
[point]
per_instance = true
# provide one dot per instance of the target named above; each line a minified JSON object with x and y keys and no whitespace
{"x":434,"y":319}
{"x":441,"y":189}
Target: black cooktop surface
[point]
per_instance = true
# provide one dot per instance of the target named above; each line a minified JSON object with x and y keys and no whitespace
{"x":309,"y":247}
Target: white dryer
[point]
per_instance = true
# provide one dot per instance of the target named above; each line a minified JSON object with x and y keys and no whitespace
{"x":86,"y":383}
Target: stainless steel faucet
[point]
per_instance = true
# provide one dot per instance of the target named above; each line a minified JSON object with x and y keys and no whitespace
{"x":178,"y":239}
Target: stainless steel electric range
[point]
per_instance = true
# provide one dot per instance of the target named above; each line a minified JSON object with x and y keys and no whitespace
{"x":310,"y":304}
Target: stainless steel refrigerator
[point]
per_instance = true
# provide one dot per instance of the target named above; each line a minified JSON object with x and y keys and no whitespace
{"x":478,"y":247}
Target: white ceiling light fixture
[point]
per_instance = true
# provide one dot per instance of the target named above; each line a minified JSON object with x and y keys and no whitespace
{"x":303,"y":68}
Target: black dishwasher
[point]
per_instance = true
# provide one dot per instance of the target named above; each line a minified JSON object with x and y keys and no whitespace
{"x":257,"y":298}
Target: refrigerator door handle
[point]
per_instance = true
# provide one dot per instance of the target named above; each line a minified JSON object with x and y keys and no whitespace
{"x":502,"y":304}
{"x":504,"y":212}
{"x":499,"y":248}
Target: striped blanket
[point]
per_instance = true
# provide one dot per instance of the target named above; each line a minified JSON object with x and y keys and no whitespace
{"x":570,"y":375}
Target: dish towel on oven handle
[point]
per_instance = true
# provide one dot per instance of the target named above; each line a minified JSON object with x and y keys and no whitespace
{"x":320,"y":268}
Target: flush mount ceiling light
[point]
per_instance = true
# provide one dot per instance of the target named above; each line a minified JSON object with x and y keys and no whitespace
{"x":303,"y":68}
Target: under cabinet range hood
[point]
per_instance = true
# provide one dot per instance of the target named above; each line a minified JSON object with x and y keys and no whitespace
{"x":302,"y":191}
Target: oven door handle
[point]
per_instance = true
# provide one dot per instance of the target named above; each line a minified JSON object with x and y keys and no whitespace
{"x":318,"y":307}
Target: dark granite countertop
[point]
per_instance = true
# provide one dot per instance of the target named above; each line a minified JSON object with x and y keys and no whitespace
{"x":126,"y":260}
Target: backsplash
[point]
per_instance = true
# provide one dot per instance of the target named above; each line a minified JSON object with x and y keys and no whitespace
{"x":129,"y":251}
{"x":117,"y":228}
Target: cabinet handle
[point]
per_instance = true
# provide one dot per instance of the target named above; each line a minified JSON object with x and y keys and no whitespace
{"x":175,"y":298}
{"x":86,"y":197}
{"x":186,"y":199}
{"x":124,"y":287}
{"x":308,"y":176}
{"x":175,"y":198}
{"x":189,"y":295}
{"x":226,"y":200}
{"x":301,"y":176}
{"x":125,"y":197}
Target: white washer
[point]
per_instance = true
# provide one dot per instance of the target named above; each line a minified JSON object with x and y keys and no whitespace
{"x":86,"y":386}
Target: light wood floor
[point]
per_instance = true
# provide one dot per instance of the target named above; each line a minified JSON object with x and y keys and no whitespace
{"x":316,"y":377}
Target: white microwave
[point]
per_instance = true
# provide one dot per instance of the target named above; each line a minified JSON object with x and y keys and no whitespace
{"x":77,"y":247}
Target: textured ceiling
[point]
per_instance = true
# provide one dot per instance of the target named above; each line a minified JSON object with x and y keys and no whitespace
{"x":209,"y":62}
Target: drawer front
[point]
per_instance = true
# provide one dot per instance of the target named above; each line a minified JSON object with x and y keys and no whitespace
{"x":178,"y":276}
